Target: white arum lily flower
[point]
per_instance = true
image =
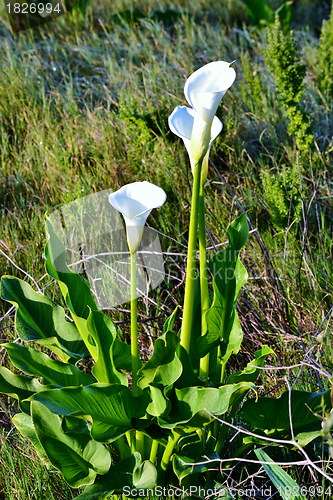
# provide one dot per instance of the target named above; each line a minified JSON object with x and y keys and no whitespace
{"x":204,"y":90}
{"x":135,"y":202}
{"x":181,"y":123}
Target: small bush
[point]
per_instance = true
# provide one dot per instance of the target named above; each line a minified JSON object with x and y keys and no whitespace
{"x":283,"y":60}
{"x":325,"y":57}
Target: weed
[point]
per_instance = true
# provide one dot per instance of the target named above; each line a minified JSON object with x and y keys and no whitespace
{"x":282,"y":58}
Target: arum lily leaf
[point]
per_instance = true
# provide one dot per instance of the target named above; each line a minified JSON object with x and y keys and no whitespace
{"x":188,"y":377}
{"x":78,"y":457}
{"x":184,"y":466}
{"x":74,"y":425}
{"x":168,"y":365}
{"x":159,"y":404}
{"x":302,"y":438}
{"x":238,"y":233}
{"x":128,"y":474}
{"x":231,"y":341}
{"x":169,"y":324}
{"x":40,"y":320}
{"x":121,"y":353}
{"x":54,"y":372}
{"x":93,"y":327}
{"x":286,"y":486}
{"x":113,"y":408}
{"x":190,"y":445}
{"x":190,"y":406}
{"x":25,"y":426}
{"x":103,"y":332}
{"x":223,"y":327}
{"x":251,"y":372}
{"x":271,"y":415}
{"x":19,"y":387}
{"x":75,"y":289}
{"x":214,"y":319}
{"x":164,"y":367}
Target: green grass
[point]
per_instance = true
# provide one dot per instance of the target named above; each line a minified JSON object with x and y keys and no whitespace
{"x":84,"y":107}
{"x":23,"y":476}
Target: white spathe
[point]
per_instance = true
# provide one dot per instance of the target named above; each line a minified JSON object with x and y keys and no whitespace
{"x":135,"y":202}
{"x":181,"y":122}
{"x":204,"y":90}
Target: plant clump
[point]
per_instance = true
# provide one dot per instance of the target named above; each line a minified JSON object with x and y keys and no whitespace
{"x":325,"y":57}
{"x":282,"y":58}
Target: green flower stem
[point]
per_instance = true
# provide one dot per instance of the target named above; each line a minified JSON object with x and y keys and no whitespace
{"x":217,"y":355}
{"x":205,"y":301}
{"x":134,"y":327}
{"x":185,"y":336}
{"x":136,"y":363}
{"x":221,"y":439}
{"x":130,"y":441}
{"x":153,"y":451}
{"x":168,"y":451}
{"x":223,"y":365}
{"x":220,"y":368}
{"x":123,"y":450}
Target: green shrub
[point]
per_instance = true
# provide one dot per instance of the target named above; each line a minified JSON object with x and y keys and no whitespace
{"x":325,"y":57}
{"x":282,"y":58}
{"x":282,"y":196}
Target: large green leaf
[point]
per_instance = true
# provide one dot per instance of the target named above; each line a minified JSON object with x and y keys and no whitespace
{"x":33,"y":362}
{"x":223,"y":327}
{"x":271,"y":415}
{"x":75,"y":289}
{"x":121,"y":353}
{"x":96,"y":329}
{"x":168,"y":365}
{"x":169,"y":324}
{"x":113,"y":408}
{"x":164,"y":366}
{"x":19,"y":387}
{"x":189,"y":405}
{"x":214,"y":319}
{"x":159,"y":404}
{"x":286,"y":486}
{"x":25,"y":426}
{"x":191,"y":445}
{"x":188,"y":377}
{"x":103,"y":332}
{"x":251,"y":372}
{"x":77,"y":456}
{"x":184,"y":466}
{"x":127,"y":475}
{"x":40,"y":319}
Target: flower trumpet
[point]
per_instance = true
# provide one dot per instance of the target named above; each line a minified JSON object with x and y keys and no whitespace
{"x":181,"y":123}
{"x":135,"y":202}
{"x":204,"y":90}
